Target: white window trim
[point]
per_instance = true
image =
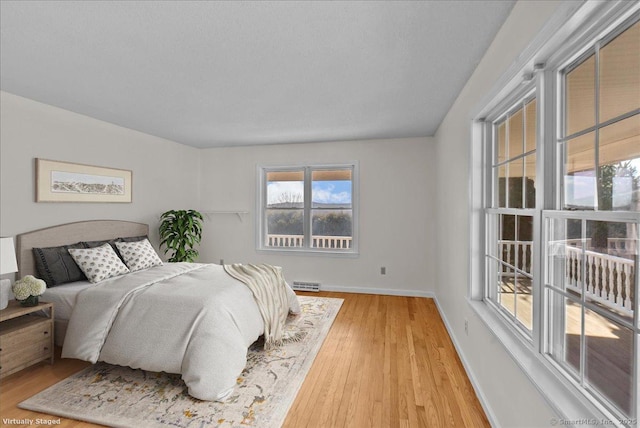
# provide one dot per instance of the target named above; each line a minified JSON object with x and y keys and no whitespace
{"x":261,"y":195}
{"x":526,"y":91}
{"x":574,"y":24}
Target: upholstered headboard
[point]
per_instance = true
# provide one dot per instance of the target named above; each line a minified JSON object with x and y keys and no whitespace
{"x":70,"y":233}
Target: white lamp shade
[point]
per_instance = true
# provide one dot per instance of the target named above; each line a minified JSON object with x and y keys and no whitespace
{"x":8,"y":263}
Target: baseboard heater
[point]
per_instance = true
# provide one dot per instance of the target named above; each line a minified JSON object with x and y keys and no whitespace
{"x":306,"y":286}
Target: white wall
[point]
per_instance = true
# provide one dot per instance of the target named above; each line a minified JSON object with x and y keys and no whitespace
{"x":396,"y":193}
{"x":512,"y":399}
{"x":165,"y":174}
{"x":397,"y":226}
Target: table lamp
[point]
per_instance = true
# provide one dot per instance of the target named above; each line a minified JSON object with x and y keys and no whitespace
{"x":8,"y":264}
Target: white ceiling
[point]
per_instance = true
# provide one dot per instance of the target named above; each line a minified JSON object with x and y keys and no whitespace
{"x":213,"y":74}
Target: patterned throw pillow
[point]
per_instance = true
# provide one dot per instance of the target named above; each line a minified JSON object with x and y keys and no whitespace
{"x":138,"y":255}
{"x":98,"y":263}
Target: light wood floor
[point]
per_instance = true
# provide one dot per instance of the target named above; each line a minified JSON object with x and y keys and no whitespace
{"x":387,"y":362}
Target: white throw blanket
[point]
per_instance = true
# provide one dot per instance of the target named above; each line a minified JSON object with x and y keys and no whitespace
{"x":185,"y":318}
{"x":271,"y":294}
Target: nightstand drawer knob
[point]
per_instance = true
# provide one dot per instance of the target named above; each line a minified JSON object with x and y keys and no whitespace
{"x":46,"y":332}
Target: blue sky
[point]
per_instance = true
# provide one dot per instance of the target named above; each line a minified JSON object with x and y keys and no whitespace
{"x":331,"y":192}
{"x":324,"y":192}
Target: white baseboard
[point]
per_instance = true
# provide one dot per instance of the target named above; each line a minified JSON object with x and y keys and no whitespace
{"x":476,"y":387}
{"x":383,"y":291}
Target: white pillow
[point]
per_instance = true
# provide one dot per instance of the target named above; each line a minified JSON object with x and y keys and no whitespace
{"x":138,"y":255}
{"x":98,"y":263}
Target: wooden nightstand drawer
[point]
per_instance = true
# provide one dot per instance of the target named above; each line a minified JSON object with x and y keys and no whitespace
{"x":26,"y":336}
{"x":24,"y":356}
{"x":14,"y":334}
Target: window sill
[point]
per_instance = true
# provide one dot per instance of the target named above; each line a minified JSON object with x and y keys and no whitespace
{"x":559,"y":392}
{"x":308,"y":252}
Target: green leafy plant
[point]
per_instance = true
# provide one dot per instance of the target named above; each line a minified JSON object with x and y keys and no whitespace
{"x":180,"y":232}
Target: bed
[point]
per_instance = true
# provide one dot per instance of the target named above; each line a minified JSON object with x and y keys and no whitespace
{"x":187,"y":318}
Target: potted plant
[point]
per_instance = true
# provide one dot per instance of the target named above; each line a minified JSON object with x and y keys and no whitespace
{"x":180,"y":232}
{"x":28,"y":290}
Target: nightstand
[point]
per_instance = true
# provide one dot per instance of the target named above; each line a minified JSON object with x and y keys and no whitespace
{"x":26,"y":336}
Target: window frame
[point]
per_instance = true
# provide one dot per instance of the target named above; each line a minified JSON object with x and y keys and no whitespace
{"x":559,"y":210}
{"x":308,"y":169}
{"x":520,"y":97}
{"x":569,"y":34}
{"x":579,"y":379}
{"x":562,"y":69}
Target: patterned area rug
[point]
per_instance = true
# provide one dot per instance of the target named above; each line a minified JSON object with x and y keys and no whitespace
{"x":123,"y":397}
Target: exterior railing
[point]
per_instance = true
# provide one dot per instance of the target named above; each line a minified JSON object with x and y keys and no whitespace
{"x":517,"y":253}
{"x":292,"y":241}
{"x":285,"y":240}
{"x":608,"y":279}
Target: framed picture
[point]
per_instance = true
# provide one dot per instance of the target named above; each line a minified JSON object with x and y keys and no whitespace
{"x":72,"y":182}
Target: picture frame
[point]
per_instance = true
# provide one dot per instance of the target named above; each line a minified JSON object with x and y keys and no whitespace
{"x":58,"y":181}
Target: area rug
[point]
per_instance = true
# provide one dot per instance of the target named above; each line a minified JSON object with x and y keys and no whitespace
{"x":123,"y":397}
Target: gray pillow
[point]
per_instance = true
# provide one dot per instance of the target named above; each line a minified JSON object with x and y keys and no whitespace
{"x":94,"y":244}
{"x":112,"y":242}
{"x":56,"y":266}
{"x":133,"y":238}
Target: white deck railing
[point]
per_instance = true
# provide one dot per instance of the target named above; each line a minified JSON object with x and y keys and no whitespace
{"x":608,"y":279}
{"x":289,"y":241}
{"x":522,"y":249}
{"x":285,"y":240}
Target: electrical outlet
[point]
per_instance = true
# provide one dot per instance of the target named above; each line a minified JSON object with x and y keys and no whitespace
{"x":466,"y":327}
{"x":383,"y":270}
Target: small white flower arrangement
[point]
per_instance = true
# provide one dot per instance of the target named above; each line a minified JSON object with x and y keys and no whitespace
{"x":28,"y":289}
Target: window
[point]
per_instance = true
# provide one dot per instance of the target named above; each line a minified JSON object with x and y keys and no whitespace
{"x":591,"y":304}
{"x":592,"y":242}
{"x":599,"y":139}
{"x":308,"y":208}
{"x":561,"y":212}
{"x":509,"y":214}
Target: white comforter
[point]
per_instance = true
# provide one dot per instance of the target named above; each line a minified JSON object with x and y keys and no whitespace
{"x":185,"y":318}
